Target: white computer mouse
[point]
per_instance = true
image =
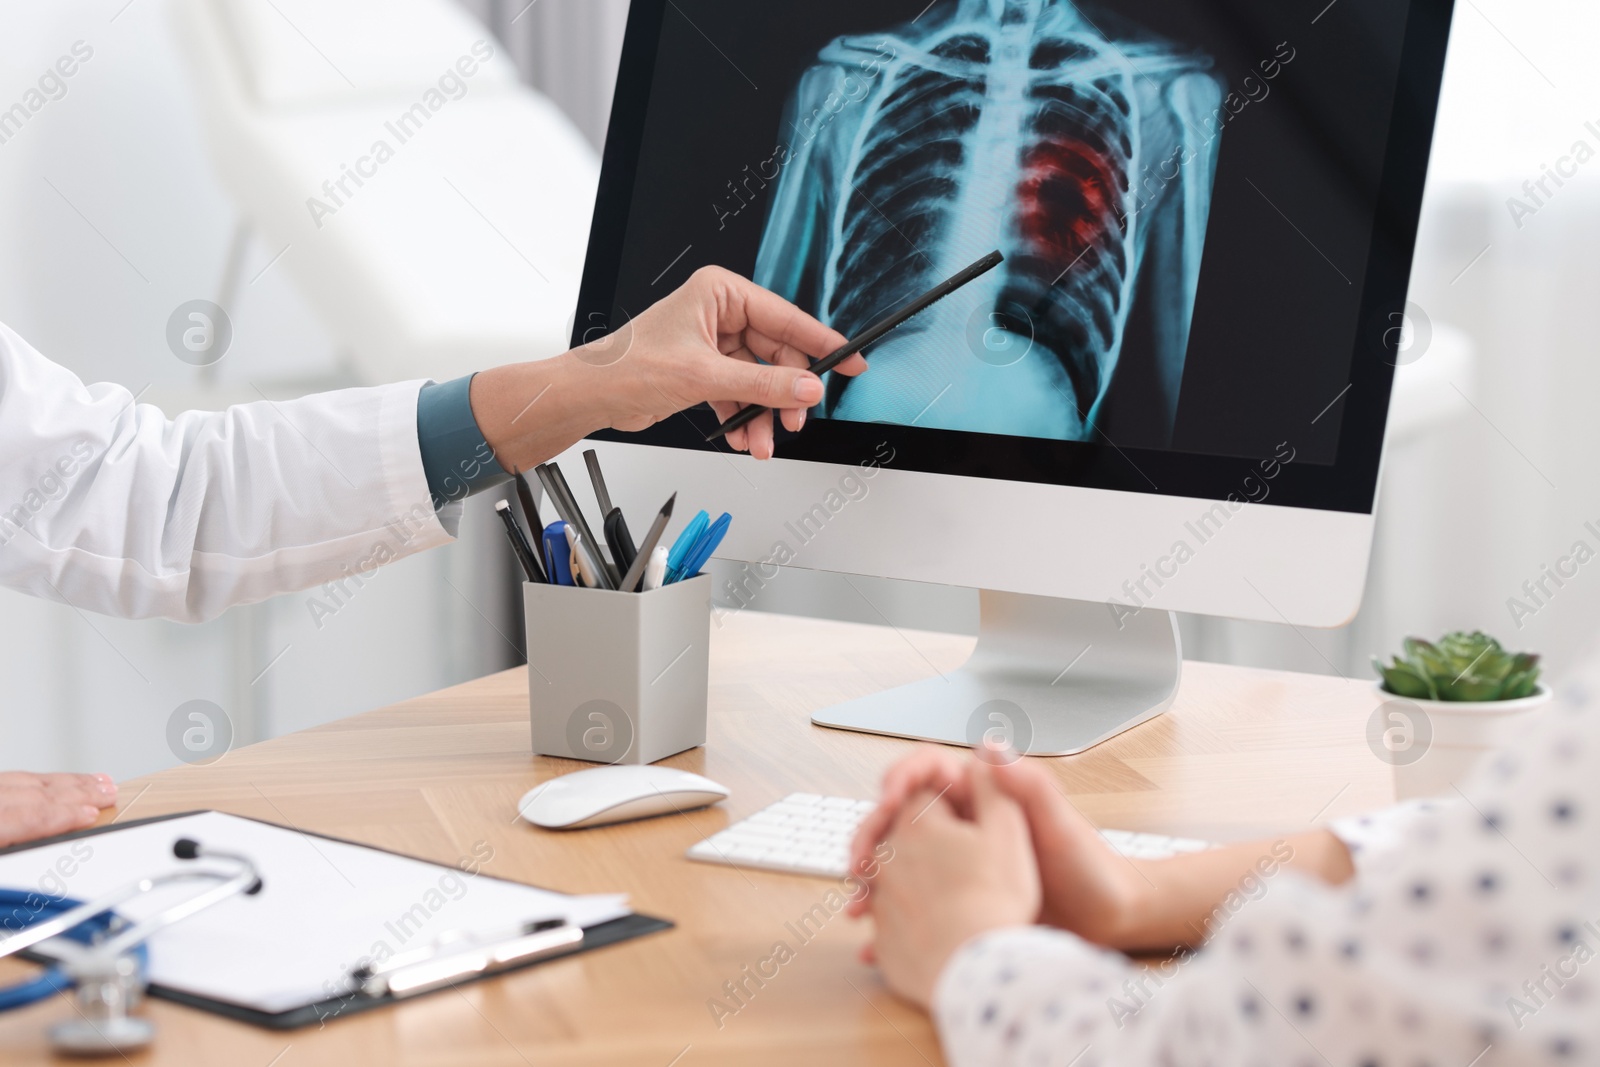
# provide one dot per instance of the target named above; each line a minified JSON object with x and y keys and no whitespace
{"x":616,"y":794}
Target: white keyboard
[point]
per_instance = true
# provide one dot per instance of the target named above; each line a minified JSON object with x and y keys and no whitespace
{"x":807,"y":834}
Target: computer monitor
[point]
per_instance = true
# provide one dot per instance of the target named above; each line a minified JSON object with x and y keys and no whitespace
{"x":1171,"y":396}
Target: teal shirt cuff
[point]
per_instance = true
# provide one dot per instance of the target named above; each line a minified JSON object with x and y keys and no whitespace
{"x":455,"y":457}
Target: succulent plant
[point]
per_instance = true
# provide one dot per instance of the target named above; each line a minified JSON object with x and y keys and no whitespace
{"x":1460,"y":667}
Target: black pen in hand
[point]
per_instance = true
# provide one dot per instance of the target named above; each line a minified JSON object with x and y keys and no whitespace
{"x":875,"y":333}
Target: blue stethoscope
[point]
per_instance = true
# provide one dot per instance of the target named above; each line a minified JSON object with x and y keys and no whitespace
{"x":21,"y":911}
{"x":103,"y":955}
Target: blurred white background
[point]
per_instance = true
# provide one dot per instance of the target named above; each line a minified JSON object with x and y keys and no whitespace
{"x":112,"y":214}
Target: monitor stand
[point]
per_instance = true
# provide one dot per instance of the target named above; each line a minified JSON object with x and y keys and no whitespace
{"x":1050,"y":677}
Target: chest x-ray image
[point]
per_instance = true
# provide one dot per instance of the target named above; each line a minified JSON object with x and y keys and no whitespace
{"x":1080,"y":145}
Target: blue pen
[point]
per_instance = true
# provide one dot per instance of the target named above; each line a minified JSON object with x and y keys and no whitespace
{"x":685,"y":544}
{"x":702,"y":550}
{"x":558,"y":554}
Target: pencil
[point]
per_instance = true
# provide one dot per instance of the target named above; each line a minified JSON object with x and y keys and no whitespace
{"x":630,"y":581}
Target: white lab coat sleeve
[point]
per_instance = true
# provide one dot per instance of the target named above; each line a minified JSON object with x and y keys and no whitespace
{"x":111,"y":507}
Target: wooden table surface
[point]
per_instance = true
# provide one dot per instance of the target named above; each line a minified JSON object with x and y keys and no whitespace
{"x":1241,"y":753}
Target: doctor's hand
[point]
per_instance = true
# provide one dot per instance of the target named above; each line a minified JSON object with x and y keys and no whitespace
{"x":42,"y":805}
{"x":948,"y":880}
{"x":720,"y":339}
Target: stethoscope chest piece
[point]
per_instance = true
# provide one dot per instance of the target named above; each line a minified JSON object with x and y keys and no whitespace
{"x":102,"y":955}
{"x":81,"y":1037}
{"x":107,"y":990}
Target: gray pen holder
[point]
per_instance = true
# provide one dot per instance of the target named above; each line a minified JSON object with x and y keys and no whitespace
{"x":618,"y":677}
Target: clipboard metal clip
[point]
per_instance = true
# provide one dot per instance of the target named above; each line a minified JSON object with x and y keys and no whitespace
{"x":458,"y":958}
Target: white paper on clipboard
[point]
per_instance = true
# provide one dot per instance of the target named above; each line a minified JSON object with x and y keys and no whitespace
{"x":325,"y":906}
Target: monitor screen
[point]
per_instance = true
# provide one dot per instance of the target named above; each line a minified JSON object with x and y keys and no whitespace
{"x":1207,"y":209}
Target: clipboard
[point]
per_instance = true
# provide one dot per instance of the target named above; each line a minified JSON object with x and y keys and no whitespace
{"x":328,"y":1009}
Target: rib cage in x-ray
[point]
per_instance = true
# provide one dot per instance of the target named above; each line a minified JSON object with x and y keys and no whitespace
{"x":1014,"y":124}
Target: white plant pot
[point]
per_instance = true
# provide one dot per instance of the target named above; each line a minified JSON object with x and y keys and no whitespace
{"x":1434,"y":745}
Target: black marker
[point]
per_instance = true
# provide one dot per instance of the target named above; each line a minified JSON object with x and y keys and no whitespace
{"x":620,"y":541}
{"x":519,"y":543}
{"x":530,"y":515}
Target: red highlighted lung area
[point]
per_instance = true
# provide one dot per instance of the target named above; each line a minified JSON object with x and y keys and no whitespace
{"x":1070,"y":198}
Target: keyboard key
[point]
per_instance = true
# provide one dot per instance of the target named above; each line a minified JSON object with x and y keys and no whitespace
{"x":805,"y":833}
{"x":1180,"y":844}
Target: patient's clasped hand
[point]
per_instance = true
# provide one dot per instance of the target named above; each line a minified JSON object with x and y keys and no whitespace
{"x":1440,"y":932}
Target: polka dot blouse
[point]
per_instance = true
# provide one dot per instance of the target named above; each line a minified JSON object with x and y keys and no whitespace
{"x":1467,"y":939}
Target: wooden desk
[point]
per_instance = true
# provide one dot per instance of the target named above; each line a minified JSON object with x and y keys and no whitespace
{"x":1243,"y":752}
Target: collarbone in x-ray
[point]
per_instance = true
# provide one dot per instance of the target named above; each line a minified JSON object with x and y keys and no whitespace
{"x":1067,"y":137}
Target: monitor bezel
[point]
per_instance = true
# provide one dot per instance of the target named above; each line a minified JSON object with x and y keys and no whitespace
{"x":1349,"y":484}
